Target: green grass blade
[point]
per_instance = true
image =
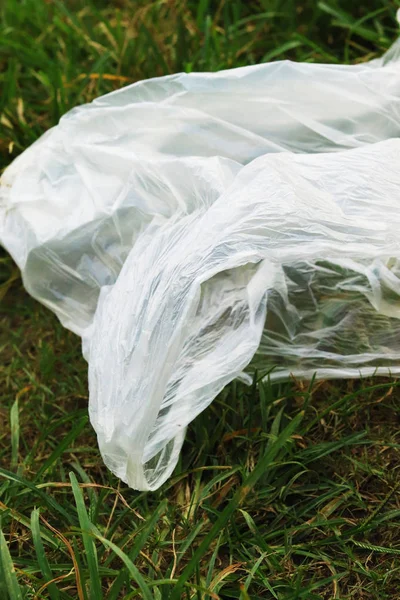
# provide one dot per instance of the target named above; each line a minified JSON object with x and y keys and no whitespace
{"x":277,"y":52}
{"x":212,"y":563}
{"x":133,"y":571}
{"x":78,"y":566}
{"x":11,"y":581}
{"x":88,"y":541}
{"x":3,"y":586}
{"x":41,"y":556}
{"x":140,"y":541}
{"x":14,"y":421}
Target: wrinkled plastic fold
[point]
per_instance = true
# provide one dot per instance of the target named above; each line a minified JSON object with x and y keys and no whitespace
{"x":197,"y":228}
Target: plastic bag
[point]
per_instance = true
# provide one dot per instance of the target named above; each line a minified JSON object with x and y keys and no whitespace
{"x":194,"y":228}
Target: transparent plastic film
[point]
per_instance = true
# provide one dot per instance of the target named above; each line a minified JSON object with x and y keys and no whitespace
{"x":196,"y":228}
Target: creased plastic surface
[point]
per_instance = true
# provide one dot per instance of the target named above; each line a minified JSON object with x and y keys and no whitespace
{"x":194,"y":228}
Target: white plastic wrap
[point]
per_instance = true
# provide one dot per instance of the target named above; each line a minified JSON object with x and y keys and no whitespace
{"x":194,"y":228}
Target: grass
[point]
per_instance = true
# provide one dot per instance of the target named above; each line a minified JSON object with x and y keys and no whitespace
{"x":282,"y":492}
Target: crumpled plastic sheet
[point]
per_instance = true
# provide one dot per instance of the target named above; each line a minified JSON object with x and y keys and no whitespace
{"x":198,"y":227}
